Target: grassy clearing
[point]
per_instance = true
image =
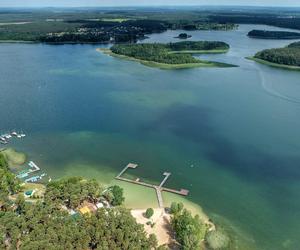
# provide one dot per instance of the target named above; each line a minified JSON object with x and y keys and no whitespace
{"x":167,"y":66}
{"x":40,"y":190}
{"x":276,"y":65}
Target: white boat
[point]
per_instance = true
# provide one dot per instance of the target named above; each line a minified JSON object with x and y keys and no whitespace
{"x":14,"y":133}
{"x":7,"y":136}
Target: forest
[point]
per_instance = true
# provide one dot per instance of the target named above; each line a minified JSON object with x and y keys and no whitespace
{"x":153,"y":52}
{"x":294,"y":45}
{"x":197,"y":45}
{"x":97,"y":26}
{"x":289,"y":55}
{"x":163,"y":53}
{"x":45,"y":225}
{"x":9,"y":184}
{"x":266,"y":34}
{"x":121,"y":26}
{"x":279,"y":19}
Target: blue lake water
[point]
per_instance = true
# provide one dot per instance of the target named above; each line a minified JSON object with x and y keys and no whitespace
{"x":228,"y":135}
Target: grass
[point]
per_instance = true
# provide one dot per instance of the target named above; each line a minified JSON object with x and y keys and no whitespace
{"x":276,"y":65}
{"x":40,"y":188}
{"x":39,"y":192}
{"x":165,"y":65}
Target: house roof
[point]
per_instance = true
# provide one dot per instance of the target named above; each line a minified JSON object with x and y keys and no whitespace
{"x":84,"y":210}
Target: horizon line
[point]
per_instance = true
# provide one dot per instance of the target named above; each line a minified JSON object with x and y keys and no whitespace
{"x":150,"y":6}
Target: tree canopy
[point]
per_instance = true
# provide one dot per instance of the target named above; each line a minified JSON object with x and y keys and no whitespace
{"x":190,"y":230}
{"x":45,"y":225}
{"x":149,"y":213}
{"x":41,"y":226}
{"x":163,"y":53}
{"x":73,"y":191}
{"x":118,"y":197}
{"x":268,"y":34}
{"x":289,"y":55}
{"x":9,"y":184}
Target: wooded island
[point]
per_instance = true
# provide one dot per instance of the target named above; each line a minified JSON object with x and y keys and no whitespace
{"x":287,"y":57}
{"x":170,"y":55}
{"x":266,"y":34}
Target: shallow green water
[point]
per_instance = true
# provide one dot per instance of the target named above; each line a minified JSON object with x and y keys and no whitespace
{"x":230,"y":136}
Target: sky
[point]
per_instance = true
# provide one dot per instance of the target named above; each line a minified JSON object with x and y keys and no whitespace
{"x":94,"y":3}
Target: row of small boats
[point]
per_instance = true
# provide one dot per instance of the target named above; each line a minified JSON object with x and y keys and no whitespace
{"x":4,"y":139}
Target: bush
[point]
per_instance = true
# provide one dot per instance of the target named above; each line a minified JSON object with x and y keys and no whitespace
{"x":118,"y":195}
{"x":176,"y":208}
{"x":149,"y":213}
{"x":189,"y":229}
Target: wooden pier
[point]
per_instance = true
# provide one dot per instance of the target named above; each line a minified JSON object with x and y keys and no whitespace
{"x":158,"y":189}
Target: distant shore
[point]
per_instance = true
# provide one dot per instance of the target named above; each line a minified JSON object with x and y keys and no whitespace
{"x":206,"y":64}
{"x":276,"y":65}
{"x":51,"y":43}
{"x":17,"y":41}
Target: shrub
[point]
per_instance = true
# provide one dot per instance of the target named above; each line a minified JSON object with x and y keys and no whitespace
{"x":149,"y":213}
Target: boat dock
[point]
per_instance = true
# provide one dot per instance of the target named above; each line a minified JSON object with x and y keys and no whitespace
{"x":158,"y":188}
{"x":27,"y":173}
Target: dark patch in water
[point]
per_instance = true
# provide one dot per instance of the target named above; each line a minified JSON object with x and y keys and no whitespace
{"x":195,"y":124}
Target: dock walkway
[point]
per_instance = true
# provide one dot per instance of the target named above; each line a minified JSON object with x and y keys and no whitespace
{"x":158,"y":189}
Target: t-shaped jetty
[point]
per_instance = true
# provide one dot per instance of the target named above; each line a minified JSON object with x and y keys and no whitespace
{"x":158,"y":188}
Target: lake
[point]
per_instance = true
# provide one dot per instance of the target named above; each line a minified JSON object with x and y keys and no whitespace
{"x":229,"y":135}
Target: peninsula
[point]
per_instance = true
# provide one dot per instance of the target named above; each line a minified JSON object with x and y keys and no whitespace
{"x":286,"y":58}
{"x":170,"y":56}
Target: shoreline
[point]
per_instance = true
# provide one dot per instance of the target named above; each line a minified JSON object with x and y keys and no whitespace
{"x":133,"y":194}
{"x":18,"y":41}
{"x":204,"y":64}
{"x":274,"y":65}
{"x":17,"y":158}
